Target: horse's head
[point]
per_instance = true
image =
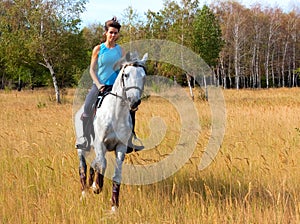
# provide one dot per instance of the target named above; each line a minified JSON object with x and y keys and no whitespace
{"x":133,"y":75}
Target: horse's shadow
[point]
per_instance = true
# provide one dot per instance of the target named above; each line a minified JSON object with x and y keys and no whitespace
{"x":211,"y":189}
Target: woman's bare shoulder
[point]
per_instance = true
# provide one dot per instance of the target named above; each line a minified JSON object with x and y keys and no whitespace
{"x":96,"y":50}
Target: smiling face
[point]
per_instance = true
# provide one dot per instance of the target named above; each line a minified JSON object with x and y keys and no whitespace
{"x":112,"y":34}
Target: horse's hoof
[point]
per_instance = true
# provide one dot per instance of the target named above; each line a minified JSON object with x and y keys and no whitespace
{"x":114,"y":209}
{"x":83,"y":196}
{"x":96,"y":189}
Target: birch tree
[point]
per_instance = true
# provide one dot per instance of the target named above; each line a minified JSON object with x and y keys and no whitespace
{"x":257,"y":31}
{"x":235,"y":33}
{"x":294,"y":25}
{"x":273,"y":25}
{"x":238,"y":39}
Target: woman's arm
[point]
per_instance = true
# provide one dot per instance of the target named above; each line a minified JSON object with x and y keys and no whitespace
{"x":93,"y":67}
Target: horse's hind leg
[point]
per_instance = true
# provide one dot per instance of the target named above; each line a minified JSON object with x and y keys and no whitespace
{"x":82,"y":173}
{"x":91,"y":176}
{"x":115,"y":195}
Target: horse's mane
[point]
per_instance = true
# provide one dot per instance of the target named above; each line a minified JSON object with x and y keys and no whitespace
{"x":131,"y":58}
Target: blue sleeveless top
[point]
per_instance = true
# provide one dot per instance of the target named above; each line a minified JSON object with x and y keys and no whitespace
{"x":107,"y":57}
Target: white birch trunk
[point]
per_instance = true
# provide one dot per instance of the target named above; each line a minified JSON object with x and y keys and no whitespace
{"x":57,"y":93}
{"x":294,"y":38}
{"x":253,"y":65}
{"x":272,"y":68}
{"x":236,"y":54}
{"x":283,"y":62}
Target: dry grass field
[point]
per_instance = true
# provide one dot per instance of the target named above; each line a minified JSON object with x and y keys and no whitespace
{"x":254,"y":178}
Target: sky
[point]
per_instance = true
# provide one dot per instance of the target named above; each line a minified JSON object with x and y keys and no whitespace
{"x":98,"y":11}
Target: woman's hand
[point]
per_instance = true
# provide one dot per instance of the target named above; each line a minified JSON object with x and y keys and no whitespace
{"x":101,"y":88}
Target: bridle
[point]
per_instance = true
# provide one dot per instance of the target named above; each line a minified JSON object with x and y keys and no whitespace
{"x":123,"y":97}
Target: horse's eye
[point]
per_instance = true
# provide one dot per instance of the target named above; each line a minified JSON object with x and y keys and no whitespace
{"x":126,"y":75}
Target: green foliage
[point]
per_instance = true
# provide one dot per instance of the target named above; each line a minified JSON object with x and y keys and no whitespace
{"x":37,"y":36}
{"x":41,"y":33}
{"x":49,"y":35}
{"x":131,"y":26}
{"x":207,"y":36}
{"x":175,"y":23}
{"x":92,"y":36}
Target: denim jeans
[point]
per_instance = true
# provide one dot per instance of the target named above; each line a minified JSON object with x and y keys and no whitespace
{"x":90,"y":100}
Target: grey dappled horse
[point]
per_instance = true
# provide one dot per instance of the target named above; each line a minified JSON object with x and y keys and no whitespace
{"x":113,"y":126}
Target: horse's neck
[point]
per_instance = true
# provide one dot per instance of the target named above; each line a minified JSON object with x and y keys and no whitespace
{"x":120,"y":108}
{"x":117,"y":87}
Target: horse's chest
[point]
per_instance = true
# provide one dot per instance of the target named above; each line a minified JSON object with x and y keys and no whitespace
{"x":113,"y":139}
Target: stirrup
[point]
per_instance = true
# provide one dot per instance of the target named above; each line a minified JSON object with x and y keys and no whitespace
{"x":85,"y":146}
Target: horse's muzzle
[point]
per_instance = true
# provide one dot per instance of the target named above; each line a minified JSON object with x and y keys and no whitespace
{"x":135,"y":105}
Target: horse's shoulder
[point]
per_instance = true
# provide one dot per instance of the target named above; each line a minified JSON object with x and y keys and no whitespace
{"x":104,"y":113}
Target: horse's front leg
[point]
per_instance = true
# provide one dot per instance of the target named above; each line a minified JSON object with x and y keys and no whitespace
{"x":117,"y":178}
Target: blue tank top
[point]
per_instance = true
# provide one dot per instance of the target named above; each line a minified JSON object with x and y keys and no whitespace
{"x":107,"y":57}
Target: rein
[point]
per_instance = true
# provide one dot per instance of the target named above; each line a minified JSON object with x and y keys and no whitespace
{"x":124,"y":89}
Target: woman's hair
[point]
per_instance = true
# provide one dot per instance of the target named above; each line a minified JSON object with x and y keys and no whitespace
{"x":112,"y":23}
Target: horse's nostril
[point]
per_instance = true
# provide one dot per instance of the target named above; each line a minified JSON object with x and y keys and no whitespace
{"x":135,"y":104}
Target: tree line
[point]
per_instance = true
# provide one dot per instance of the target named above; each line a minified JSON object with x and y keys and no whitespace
{"x":42,"y":43}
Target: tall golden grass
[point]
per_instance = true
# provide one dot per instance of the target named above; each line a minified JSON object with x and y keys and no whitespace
{"x":254,"y":178}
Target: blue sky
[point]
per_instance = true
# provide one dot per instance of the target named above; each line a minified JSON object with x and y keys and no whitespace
{"x":98,"y":11}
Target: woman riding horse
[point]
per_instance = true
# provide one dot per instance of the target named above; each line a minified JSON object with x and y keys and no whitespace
{"x":103,"y":74}
{"x":103,"y":71}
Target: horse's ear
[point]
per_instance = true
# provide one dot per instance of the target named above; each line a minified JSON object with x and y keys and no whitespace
{"x":118,"y":64}
{"x":128,"y":56}
{"x":145,"y":58}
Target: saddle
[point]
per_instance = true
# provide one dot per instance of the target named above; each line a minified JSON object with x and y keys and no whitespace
{"x":101,"y":96}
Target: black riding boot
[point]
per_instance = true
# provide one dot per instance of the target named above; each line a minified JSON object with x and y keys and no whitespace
{"x":87,"y":127}
{"x":129,"y":145}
